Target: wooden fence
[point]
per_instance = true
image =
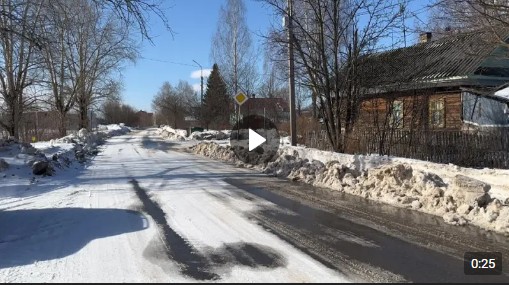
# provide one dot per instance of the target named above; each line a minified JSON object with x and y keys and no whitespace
{"x":469,"y":149}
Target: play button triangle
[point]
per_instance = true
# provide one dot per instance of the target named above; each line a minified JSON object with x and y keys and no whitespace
{"x":255,"y":140}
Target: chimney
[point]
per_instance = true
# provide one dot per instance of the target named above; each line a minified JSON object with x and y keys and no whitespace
{"x":425,"y":37}
{"x":253,"y":95}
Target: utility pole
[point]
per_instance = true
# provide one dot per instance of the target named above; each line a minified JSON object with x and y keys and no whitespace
{"x":291,"y":80}
{"x":201,"y":77}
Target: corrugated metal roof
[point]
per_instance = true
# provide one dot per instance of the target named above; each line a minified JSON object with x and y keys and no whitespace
{"x":472,"y":56}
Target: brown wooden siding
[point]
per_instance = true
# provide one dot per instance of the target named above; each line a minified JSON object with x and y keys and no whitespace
{"x":374,"y":112}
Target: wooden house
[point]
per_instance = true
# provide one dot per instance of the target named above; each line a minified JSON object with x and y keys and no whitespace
{"x":436,"y":85}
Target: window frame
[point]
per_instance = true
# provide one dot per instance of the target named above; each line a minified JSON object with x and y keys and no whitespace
{"x":397,"y":122}
{"x":433,"y":108}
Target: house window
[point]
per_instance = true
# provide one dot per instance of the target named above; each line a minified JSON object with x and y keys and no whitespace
{"x":437,"y":113}
{"x":396,"y":120}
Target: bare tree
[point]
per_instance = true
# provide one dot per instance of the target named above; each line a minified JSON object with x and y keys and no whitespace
{"x":17,"y":62}
{"x":115,"y":112}
{"x":274,"y":78}
{"x":232,"y":48}
{"x":80,"y":43}
{"x":132,"y":13}
{"x":331,"y":37}
{"x":175,"y":103}
{"x":454,"y":16}
{"x":59,"y":25}
{"x":100,"y":45}
{"x":136,"y":13}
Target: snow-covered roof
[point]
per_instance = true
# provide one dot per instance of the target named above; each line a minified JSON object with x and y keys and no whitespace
{"x":502,"y":93}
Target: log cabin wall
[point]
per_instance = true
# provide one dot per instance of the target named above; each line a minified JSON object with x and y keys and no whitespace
{"x":375,"y":112}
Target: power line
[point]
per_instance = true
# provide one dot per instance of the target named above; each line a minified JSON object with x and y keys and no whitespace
{"x":168,"y":61}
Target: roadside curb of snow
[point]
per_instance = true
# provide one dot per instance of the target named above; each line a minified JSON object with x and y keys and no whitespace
{"x":459,"y":201}
{"x":34,"y":158}
{"x":170,"y":133}
{"x":84,"y":145}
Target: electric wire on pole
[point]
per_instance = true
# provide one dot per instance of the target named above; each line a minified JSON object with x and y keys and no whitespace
{"x":201,"y":78}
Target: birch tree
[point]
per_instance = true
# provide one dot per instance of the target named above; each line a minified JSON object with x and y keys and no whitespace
{"x":232,"y":48}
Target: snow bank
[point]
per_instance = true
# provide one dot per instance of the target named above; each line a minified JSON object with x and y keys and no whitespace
{"x":458,"y":195}
{"x":113,"y":129}
{"x":503,"y":93}
{"x":285,"y":141}
{"x":43,"y":158}
{"x":97,"y":137}
{"x":18,"y":159}
{"x":210,"y":135}
{"x":170,"y":133}
{"x":215,"y":151}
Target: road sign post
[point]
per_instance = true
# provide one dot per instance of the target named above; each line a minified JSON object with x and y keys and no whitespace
{"x":240,"y":98}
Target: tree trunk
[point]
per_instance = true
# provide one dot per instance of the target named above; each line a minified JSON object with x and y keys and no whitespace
{"x":83,"y":119}
{"x":13,"y":127}
{"x":314,"y":107}
{"x":62,"y":127}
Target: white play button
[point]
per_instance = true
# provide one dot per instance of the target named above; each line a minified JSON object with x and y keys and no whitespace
{"x":255,"y":140}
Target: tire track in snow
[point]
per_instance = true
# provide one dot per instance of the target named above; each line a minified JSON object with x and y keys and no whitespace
{"x":178,"y":249}
{"x":201,"y":266}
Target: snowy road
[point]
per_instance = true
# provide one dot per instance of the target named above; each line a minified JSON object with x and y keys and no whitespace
{"x":145,"y":211}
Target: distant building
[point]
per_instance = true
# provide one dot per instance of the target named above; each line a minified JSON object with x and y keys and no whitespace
{"x":274,"y":109}
{"x":144,"y":119}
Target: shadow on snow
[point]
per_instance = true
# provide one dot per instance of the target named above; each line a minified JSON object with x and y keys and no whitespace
{"x":28,"y":236}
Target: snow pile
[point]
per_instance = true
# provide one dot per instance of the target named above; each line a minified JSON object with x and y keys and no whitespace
{"x":215,"y":151}
{"x":503,"y":93}
{"x":285,"y":141}
{"x":210,"y":135}
{"x":113,"y":130}
{"x":170,"y":133}
{"x":45,"y":157}
{"x":16,"y":157}
{"x":459,"y":199}
{"x":85,"y":137}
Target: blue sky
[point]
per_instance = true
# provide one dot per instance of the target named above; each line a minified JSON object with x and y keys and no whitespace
{"x":194,"y":24}
{"x":170,"y":58}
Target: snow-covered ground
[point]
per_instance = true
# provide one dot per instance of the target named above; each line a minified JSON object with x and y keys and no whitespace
{"x":460,"y":195}
{"x":102,"y":222}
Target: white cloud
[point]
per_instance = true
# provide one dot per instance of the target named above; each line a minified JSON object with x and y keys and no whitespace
{"x":197,"y":73}
{"x":197,"y":87}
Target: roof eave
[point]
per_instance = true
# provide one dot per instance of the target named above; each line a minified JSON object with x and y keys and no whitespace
{"x":456,"y":81}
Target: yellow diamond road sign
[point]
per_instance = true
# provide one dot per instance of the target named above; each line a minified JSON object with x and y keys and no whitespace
{"x":240,"y":98}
